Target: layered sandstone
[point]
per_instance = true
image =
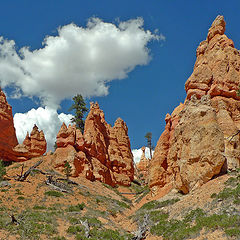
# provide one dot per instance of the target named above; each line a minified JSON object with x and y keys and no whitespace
{"x":197,"y":144}
{"x":33,"y":145}
{"x":101,"y":153}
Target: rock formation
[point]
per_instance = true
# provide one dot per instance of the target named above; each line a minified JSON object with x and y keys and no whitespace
{"x":8,"y":138}
{"x":143,"y":166}
{"x":101,"y":153}
{"x":196,"y":144}
{"x":33,"y":145}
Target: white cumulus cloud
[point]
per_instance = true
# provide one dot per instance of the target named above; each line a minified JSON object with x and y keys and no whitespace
{"x":137,"y":153}
{"x":77,"y":60}
{"x":47,"y":119}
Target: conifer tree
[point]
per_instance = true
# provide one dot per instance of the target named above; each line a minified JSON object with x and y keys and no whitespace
{"x":67,"y":170}
{"x":79,"y":106}
{"x":148,"y":136}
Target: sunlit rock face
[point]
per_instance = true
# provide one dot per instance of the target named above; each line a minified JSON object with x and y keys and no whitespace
{"x":197,"y":144}
{"x":143,"y":166}
{"x":8,"y":138}
{"x":33,"y":146}
{"x":101,"y":153}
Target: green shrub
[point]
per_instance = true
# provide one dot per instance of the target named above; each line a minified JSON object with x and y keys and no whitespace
{"x":38,"y":207}
{"x":93,"y":222}
{"x":76,"y":208}
{"x":53,"y":194}
{"x":192,"y":224}
{"x":156,"y":204}
{"x":105,"y":234}
{"x":75,"y":229}
{"x":2,"y":170}
{"x":20,"y":198}
{"x":233,"y":232}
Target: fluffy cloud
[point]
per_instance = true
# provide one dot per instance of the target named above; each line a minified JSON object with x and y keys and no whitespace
{"x":47,"y":119}
{"x":137,"y":153}
{"x":77,"y":60}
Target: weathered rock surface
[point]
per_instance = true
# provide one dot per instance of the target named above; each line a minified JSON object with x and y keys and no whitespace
{"x":101,"y":153}
{"x":143,"y":166}
{"x":197,"y":144}
{"x":8,"y":138}
{"x":33,"y":145}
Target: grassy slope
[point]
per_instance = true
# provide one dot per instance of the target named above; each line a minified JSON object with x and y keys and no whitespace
{"x":43,"y":213}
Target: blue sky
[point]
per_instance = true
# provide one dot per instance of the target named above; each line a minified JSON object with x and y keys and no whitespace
{"x":148,"y":91}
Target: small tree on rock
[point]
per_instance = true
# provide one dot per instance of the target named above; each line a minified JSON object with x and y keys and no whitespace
{"x":80,"y":108}
{"x":148,"y":136}
{"x":67,"y":170}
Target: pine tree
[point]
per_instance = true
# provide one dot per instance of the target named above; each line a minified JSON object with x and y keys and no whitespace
{"x":67,"y":170}
{"x":148,"y":136}
{"x":80,"y":108}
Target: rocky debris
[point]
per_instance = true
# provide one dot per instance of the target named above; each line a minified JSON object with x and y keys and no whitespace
{"x":33,"y":146}
{"x":101,"y":153}
{"x":143,"y":166}
{"x":195,"y":145}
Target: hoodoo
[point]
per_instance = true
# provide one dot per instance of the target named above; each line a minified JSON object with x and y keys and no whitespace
{"x":101,"y":153}
{"x":33,"y":146}
{"x":200,"y":140}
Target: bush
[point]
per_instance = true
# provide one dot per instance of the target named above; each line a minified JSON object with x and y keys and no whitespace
{"x":76,"y":208}
{"x":53,"y":194}
{"x":2,"y":170}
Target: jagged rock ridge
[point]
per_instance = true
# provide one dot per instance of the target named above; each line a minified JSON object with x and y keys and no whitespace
{"x":101,"y":153}
{"x":195,"y":145}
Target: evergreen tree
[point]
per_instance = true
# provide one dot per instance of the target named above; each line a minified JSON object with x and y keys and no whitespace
{"x":67,"y":170}
{"x":79,"y":106}
{"x":148,"y":136}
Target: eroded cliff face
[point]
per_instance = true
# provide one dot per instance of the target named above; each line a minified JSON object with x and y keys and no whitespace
{"x":101,"y":153}
{"x":33,"y":146}
{"x":197,"y":144}
{"x":8,"y":138}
